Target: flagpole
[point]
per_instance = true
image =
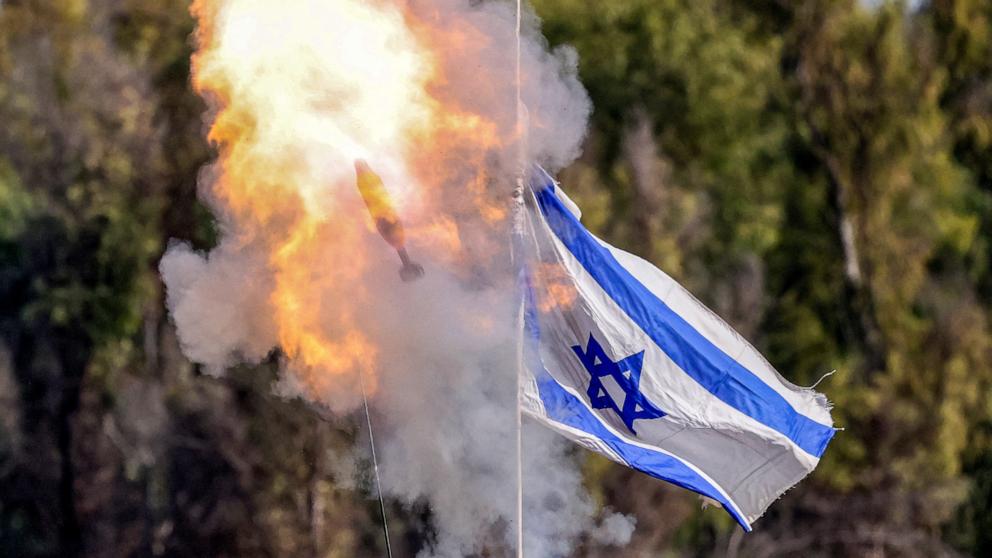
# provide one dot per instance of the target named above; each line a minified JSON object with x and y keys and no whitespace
{"x":520,"y":454}
{"x":518,"y":202}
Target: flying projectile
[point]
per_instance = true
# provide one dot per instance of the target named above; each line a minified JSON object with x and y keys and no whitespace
{"x":388,"y":224}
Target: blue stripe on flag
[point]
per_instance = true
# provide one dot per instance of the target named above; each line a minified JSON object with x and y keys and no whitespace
{"x":565,"y":408}
{"x":713,"y":369}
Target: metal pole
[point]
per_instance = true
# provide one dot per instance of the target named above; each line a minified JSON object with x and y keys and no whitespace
{"x":518,"y":200}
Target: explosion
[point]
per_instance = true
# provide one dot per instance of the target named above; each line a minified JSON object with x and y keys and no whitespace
{"x":423,"y":91}
{"x":302,"y":92}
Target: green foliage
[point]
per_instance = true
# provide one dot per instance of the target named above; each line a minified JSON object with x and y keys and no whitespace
{"x":869,"y":116}
{"x":16,"y":205}
{"x":706,"y":91}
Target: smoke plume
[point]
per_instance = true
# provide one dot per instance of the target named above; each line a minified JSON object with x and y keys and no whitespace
{"x":424,"y":90}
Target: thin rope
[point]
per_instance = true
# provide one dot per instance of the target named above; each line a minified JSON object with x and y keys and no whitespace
{"x":823,"y":377}
{"x":375,"y":466}
{"x":518,"y":225}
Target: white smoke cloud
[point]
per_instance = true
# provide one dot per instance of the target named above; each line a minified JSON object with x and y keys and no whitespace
{"x":557,"y":105}
{"x":444,"y":382}
{"x":217,"y":302}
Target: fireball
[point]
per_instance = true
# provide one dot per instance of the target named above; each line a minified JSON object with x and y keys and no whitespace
{"x":297,"y":96}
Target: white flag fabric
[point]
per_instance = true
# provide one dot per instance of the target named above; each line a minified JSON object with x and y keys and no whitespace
{"x":624,"y":361}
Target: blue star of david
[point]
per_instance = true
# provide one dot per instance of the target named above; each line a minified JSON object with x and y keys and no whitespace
{"x":627,"y":374}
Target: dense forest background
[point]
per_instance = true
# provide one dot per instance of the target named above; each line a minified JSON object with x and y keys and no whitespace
{"x":819,"y":172}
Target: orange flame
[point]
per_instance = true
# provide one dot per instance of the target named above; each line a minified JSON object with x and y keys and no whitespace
{"x":557,"y":287}
{"x":300,"y":92}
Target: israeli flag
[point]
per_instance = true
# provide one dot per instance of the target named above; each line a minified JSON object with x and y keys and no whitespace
{"x":624,"y":361}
